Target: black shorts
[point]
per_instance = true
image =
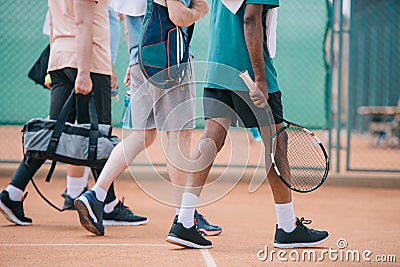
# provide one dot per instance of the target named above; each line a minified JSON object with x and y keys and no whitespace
{"x":63,"y":82}
{"x":237,"y":105}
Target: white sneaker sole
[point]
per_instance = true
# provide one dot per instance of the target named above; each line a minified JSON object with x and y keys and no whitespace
{"x":210,"y":233}
{"x":10,"y":215}
{"x":123,"y":223}
{"x":185,"y":243}
{"x":300,"y":245}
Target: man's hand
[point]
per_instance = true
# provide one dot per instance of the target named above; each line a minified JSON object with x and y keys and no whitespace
{"x":127,"y":79}
{"x":199,"y":8}
{"x":114,"y":80}
{"x":260,"y":95}
{"x":183,"y":16}
{"x":83,"y":83}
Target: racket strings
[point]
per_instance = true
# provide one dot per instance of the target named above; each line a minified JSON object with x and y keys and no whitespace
{"x":304,"y":166}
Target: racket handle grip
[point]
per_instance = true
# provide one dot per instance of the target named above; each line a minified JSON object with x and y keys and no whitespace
{"x":248,"y":80}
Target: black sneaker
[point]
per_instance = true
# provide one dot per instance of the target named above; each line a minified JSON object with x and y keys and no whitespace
{"x":64,"y":194}
{"x":122,"y":215}
{"x":189,"y":238}
{"x":13,"y":210}
{"x":69,"y":201}
{"x":301,"y":236}
{"x":204,"y":227}
{"x":90,"y":211}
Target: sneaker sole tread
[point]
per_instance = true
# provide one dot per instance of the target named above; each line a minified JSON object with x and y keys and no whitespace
{"x":84,"y":218}
{"x":185,"y":243}
{"x":123,"y":223}
{"x":299,"y":245}
{"x":210,"y":233}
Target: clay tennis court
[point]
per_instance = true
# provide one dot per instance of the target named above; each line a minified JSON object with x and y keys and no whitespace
{"x":367,"y":218}
{"x":362,"y":210}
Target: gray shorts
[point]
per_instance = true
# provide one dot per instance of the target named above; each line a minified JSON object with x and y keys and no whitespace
{"x":163,"y":110}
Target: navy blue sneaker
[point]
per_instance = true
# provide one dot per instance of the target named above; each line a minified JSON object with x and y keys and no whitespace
{"x":187,"y":237}
{"x":90,"y":211}
{"x":204,"y":227}
{"x":301,"y":236}
{"x":13,"y":210}
{"x":122,"y":215}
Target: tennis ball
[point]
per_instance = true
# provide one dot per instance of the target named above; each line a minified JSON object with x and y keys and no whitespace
{"x":47,"y":79}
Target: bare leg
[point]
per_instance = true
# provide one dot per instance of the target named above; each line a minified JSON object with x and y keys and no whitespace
{"x":124,"y":152}
{"x":281,"y":192}
{"x":286,"y":218}
{"x":75,"y":171}
{"x":178,"y":153}
{"x":210,"y":144}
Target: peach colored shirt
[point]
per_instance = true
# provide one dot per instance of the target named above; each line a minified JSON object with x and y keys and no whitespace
{"x":63,"y":48}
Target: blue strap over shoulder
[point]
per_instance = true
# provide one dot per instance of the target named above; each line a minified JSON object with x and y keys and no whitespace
{"x":163,"y":48}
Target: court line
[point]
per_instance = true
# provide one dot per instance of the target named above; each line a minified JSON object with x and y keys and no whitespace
{"x":208,"y":258}
{"x":206,"y":254}
{"x":88,"y":245}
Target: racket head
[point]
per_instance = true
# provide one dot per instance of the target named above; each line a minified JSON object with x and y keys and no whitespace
{"x":307,"y":164}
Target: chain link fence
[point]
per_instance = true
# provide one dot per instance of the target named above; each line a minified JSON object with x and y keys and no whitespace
{"x":300,"y":64}
{"x":370,"y":86}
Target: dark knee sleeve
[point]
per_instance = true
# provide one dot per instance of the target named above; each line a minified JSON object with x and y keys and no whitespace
{"x":26,"y":169}
{"x":110,"y":194}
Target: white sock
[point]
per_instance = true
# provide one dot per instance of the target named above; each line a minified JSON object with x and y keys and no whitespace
{"x":14,"y":192}
{"x":100,"y":193}
{"x":177,"y":210}
{"x":76,"y":185}
{"x":186,"y":213}
{"x":285,"y":216}
{"x":109,"y":207}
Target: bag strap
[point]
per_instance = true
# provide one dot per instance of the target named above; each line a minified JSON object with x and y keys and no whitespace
{"x":61,"y":120}
{"x":94,"y":130}
{"x":59,"y":126}
{"x":51,"y":171}
{"x":44,"y":198}
{"x":189,"y":36}
{"x":95,"y":175}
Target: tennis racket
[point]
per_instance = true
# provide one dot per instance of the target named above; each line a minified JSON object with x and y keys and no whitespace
{"x":298,"y":156}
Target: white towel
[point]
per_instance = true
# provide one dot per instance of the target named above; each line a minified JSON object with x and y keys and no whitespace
{"x":160,"y":2}
{"x":271,"y":23}
{"x":233,"y":5}
{"x":270,"y":31}
{"x":129,"y":7}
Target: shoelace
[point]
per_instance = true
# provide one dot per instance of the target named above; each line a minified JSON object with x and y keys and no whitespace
{"x":304,"y":221}
{"x":124,"y":208}
{"x":200,"y":218}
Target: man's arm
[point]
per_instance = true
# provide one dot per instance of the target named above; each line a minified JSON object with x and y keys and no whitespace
{"x":84,"y":13}
{"x":127,"y":78}
{"x":183,"y":16}
{"x":253,"y":33}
